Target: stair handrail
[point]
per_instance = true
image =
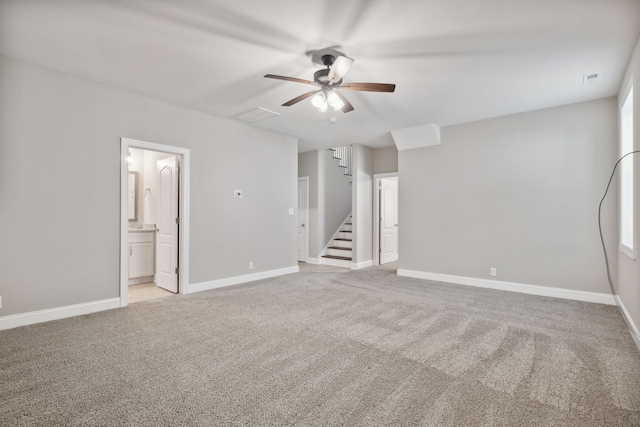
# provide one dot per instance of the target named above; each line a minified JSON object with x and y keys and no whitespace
{"x":344,"y":156}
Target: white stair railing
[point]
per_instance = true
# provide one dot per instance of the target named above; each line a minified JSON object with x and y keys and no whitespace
{"x":344,"y":156}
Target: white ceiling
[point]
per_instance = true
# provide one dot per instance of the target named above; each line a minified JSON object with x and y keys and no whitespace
{"x":453,"y":61}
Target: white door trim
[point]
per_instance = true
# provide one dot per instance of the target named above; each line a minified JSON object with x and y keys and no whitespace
{"x":183,"y":240}
{"x":306,"y":219}
{"x":376,"y":213}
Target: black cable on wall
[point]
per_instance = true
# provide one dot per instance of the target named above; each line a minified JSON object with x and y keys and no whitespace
{"x":604,"y":248}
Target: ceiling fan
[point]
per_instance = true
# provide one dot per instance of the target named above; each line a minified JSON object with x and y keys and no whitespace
{"x":330,"y":79}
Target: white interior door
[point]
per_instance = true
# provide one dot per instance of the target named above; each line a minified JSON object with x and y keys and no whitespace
{"x":167,"y":217}
{"x":388,"y":220}
{"x":303,"y":218}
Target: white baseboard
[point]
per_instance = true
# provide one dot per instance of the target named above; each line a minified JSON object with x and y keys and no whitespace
{"x":23,"y":319}
{"x":236,"y":280}
{"x":363,"y":264}
{"x":633,"y":329}
{"x":313,"y":260}
{"x":523,"y":288}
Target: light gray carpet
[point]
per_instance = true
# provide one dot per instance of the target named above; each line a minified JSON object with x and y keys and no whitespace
{"x":327,"y":348}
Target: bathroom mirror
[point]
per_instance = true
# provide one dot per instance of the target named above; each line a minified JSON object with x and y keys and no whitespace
{"x":133,"y":196}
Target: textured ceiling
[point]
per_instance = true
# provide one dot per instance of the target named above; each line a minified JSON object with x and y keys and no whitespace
{"x":453,"y":61}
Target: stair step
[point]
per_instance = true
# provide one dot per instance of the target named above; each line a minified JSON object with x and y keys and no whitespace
{"x":346,"y":231}
{"x":344,"y":258}
{"x":339,"y":248}
{"x":348,"y":245}
{"x":344,"y":240}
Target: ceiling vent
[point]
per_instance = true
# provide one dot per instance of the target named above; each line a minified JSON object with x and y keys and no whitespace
{"x":589,"y":79}
{"x":256,"y":115}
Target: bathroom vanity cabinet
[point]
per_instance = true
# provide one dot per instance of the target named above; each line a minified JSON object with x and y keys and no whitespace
{"x":141,"y":256}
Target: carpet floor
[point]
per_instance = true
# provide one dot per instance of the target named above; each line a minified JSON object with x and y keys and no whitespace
{"x":355,"y":348}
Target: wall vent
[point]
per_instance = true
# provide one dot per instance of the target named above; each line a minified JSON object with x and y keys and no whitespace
{"x":589,"y":79}
{"x":256,"y":115}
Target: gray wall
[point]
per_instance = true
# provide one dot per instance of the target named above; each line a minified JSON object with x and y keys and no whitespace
{"x":60,"y":188}
{"x":629,"y":269}
{"x":363,"y":203}
{"x":518,"y":193}
{"x":385,"y":159}
{"x":329,"y":197}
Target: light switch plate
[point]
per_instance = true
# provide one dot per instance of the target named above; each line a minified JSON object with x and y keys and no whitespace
{"x":290,"y":211}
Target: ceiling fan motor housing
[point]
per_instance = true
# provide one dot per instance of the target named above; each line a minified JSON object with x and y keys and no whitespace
{"x":321,"y":76}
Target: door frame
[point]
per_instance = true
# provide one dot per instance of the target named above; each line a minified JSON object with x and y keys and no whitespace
{"x":183,"y":237}
{"x":306,"y":219}
{"x":376,"y":213}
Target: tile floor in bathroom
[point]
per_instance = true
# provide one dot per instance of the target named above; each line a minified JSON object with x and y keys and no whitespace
{"x":146,"y":291}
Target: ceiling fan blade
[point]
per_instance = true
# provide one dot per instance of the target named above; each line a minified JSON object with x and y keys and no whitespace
{"x":339,"y":68}
{"x":347,"y":105}
{"x":370,"y":87}
{"x":290,"y":79}
{"x":300,"y":98}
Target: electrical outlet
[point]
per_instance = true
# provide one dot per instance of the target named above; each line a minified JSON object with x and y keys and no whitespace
{"x":250,"y":265}
{"x":493,"y":271}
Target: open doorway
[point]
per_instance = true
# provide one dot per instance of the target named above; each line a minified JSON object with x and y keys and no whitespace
{"x":385,"y":229}
{"x":154,"y":221}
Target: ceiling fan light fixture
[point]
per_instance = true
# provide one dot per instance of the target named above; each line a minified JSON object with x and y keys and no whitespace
{"x":320,"y":102}
{"x":330,"y":78}
{"x":334,"y":101}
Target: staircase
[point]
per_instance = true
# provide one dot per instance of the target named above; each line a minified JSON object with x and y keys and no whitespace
{"x":339,"y":250}
{"x":343,"y":155}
